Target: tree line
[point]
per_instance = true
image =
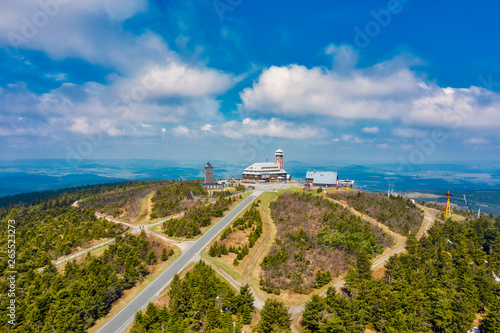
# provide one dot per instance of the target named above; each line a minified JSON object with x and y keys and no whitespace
{"x":398,"y":213}
{"x":440,"y":285}
{"x":251,"y":220}
{"x":196,"y":218}
{"x":49,"y":301}
{"x":201,"y":301}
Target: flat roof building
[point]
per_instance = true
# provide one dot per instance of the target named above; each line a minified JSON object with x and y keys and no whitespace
{"x":322,"y":178}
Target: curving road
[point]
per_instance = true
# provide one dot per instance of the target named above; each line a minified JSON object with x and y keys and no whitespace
{"x":125,"y":317}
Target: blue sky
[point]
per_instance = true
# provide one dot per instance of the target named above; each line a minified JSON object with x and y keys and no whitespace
{"x":333,"y":82}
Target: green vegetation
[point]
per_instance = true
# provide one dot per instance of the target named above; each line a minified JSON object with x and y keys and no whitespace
{"x":314,"y":233}
{"x":48,"y":301}
{"x":168,"y":198}
{"x":50,"y":230}
{"x":396,"y":212}
{"x":274,"y":317}
{"x":195,"y":218}
{"x":122,"y":200}
{"x":251,"y":219}
{"x":239,"y":187}
{"x":440,"y":285}
{"x":199,"y":302}
{"x":34,"y":198}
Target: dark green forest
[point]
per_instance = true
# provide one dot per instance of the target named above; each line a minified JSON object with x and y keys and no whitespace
{"x":195,"y":218}
{"x":440,"y":285}
{"x":313,"y":234}
{"x":199,"y":302}
{"x":52,"y":229}
{"x":48,"y":301}
{"x":78,"y":192}
{"x":397,"y":213}
{"x":167,"y":199}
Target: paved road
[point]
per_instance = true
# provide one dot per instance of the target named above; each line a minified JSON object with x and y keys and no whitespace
{"x":76,"y":255}
{"x":125,"y":317}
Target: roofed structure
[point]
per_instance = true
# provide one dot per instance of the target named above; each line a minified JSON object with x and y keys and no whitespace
{"x":322,"y":178}
{"x":267,"y":171}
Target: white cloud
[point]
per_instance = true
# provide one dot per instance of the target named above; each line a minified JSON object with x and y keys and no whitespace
{"x":186,"y":95}
{"x":477,"y":141}
{"x":269,"y":127}
{"x":91,"y":30}
{"x":382,"y":145}
{"x":183,"y":131}
{"x":207,"y":128}
{"x":409,"y":132}
{"x":80,"y":125}
{"x":351,"y":138}
{"x":371,"y":130}
{"x":57,"y":76}
{"x":174,"y":79}
{"x":386,"y":91}
{"x":163,"y":130}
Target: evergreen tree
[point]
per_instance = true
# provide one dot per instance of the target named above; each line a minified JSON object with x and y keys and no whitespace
{"x":151,"y":257}
{"x":491,"y":323}
{"x":313,"y":313}
{"x":164,"y":255}
{"x":363,"y":265}
{"x":412,"y":244}
{"x":274,"y":317}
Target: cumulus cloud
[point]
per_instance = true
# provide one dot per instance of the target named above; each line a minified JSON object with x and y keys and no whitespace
{"x":174,"y":79}
{"x":406,"y":132}
{"x":273,"y":127}
{"x":207,"y":128}
{"x":350,"y":138}
{"x":386,"y":91}
{"x":370,"y":130}
{"x":183,"y":131}
{"x":131,"y":106}
{"x":91,"y":30}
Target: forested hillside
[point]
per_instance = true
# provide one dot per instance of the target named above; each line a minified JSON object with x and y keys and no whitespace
{"x":168,"y":198}
{"x":121,"y":202}
{"x":72,"y":301}
{"x":200,"y":302}
{"x":316,"y":239}
{"x":440,"y":285}
{"x":195,"y":218}
{"x":50,"y":230}
{"x":79,"y":192}
{"x":396,"y":212}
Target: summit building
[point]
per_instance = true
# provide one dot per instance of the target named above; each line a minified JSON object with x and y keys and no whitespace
{"x":267,"y":171}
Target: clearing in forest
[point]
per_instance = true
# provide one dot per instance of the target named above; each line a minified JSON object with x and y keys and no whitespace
{"x":316,"y":240}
